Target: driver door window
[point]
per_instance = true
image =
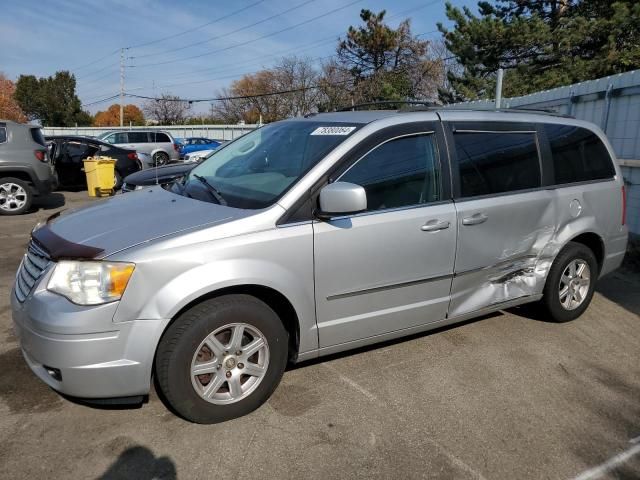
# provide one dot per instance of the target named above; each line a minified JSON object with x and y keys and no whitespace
{"x":399,"y":173}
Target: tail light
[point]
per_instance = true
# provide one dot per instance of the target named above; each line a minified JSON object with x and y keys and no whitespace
{"x":40,"y":155}
{"x":132,"y":156}
{"x":624,"y":205}
{"x":175,"y":147}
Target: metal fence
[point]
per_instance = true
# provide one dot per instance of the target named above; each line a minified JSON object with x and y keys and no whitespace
{"x":612,"y":103}
{"x":215,"y":132}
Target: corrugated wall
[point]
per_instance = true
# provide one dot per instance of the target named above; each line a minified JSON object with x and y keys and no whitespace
{"x":612,"y":103}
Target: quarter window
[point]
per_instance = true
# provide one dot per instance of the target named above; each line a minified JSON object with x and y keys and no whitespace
{"x":578,"y":154}
{"x":399,"y":173}
{"x":3,"y":134}
{"x":497,"y":162}
{"x":37,"y":136}
{"x":160,"y":137}
{"x":138,"y":137}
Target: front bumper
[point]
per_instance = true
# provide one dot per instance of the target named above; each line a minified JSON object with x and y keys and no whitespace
{"x":80,"y":351}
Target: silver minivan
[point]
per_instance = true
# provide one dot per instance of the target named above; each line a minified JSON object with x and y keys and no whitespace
{"x":312,"y":236}
{"x":160,"y":146}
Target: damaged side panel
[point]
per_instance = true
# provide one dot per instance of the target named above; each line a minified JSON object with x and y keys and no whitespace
{"x":509,"y":255}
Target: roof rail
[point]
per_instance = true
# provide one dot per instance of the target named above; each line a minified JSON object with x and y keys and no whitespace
{"x":388,"y":103}
{"x":540,"y":111}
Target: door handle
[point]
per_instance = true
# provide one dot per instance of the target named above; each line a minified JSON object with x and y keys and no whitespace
{"x":475,"y":219}
{"x":434,"y":226}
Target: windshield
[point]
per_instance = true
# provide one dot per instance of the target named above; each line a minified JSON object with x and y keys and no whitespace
{"x":256,"y":169}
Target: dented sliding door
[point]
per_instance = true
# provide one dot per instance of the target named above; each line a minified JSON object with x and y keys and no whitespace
{"x":506,"y":220}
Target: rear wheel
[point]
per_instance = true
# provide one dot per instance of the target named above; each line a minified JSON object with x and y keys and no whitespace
{"x":570,"y":283}
{"x":117,"y":180}
{"x":160,"y":158}
{"x":222,"y":359}
{"x":15,"y":196}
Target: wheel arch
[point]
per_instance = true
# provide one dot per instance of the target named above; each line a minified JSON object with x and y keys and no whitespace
{"x":277,"y":301}
{"x":593,"y":242}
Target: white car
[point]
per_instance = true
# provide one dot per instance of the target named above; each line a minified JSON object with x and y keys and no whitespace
{"x":197,"y":156}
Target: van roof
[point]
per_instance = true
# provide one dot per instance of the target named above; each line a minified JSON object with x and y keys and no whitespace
{"x":449,"y":114}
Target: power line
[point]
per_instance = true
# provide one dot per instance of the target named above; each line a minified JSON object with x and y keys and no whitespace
{"x":291,"y":27}
{"x":95,"y":61}
{"x":197,"y":28}
{"x":111,"y":65}
{"x":229,"y":33}
{"x":297,"y":49}
{"x":101,"y":101}
{"x":238,"y":97}
{"x":196,"y":82}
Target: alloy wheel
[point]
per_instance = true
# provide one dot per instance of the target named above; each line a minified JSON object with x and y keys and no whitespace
{"x":12,"y":197}
{"x":574,"y":284}
{"x":230,"y":363}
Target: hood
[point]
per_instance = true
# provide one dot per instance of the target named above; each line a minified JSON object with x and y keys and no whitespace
{"x":163,"y":174}
{"x":127,"y":220}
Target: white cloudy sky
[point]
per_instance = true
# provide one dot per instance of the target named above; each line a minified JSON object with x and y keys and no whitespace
{"x":231,"y":39}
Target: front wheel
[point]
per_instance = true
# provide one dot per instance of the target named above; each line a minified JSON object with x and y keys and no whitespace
{"x":222,"y":359}
{"x":570,"y":283}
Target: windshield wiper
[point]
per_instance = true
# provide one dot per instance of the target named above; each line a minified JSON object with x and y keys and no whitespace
{"x":213,"y":190}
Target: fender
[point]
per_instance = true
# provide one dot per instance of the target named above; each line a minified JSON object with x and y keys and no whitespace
{"x":205,"y":279}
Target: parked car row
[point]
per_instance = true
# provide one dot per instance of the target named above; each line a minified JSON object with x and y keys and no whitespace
{"x":32,"y":165}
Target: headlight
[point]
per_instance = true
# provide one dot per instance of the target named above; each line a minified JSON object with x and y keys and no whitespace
{"x":90,"y":283}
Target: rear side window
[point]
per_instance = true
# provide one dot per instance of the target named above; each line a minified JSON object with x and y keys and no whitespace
{"x":3,"y":134}
{"x":36,"y":135}
{"x":578,"y":154}
{"x":399,"y":173}
{"x":497,"y":162}
{"x":138,"y":137}
{"x":159,"y":137}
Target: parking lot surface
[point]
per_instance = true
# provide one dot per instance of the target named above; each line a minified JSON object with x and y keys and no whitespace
{"x":507,"y":396}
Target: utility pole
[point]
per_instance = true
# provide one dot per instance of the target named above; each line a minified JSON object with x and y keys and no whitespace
{"x":121,"y":87}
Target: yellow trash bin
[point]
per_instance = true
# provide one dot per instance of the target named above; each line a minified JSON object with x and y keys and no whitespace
{"x":100,"y":172}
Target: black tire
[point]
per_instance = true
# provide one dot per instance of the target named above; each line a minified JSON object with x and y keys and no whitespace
{"x":179,"y":343}
{"x":117,"y":178}
{"x":550,"y":302}
{"x":160,"y":159}
{"x":28,"y":196}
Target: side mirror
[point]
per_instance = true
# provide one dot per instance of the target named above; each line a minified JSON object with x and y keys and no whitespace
{"x":341,"y":198}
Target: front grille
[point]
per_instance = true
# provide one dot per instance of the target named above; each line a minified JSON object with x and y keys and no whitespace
{"x":34,"y":262}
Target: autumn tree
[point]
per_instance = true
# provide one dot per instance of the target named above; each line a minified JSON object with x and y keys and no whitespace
{"x":52,"y":100}
{"x":9,"y":108}
{"x":111,"y":117}
{"x":288,"y":89}
{"x":540,"y":44}
{"x":167,"y":109}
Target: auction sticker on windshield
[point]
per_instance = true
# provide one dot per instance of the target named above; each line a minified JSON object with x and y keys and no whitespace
{"x":333,"y":131}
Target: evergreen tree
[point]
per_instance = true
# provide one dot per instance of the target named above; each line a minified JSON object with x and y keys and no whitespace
{"x":52,"y":100}
{"x":541,"y":44}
